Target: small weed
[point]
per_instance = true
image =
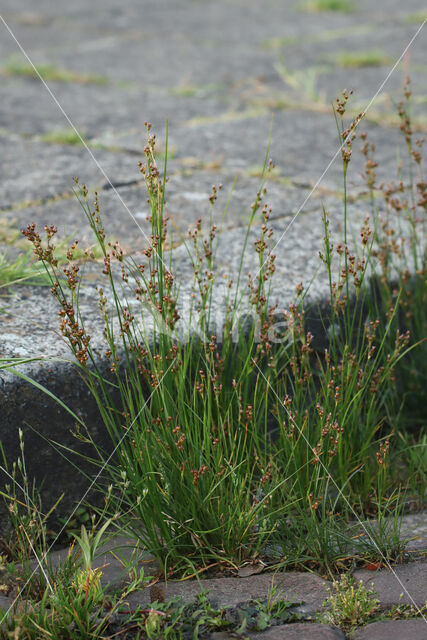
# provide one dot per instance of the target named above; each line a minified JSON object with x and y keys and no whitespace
{"x":228,"y":116}
{"x":303,"y":81}
{"x":404,"y":611}
{"x":416,"y":17}
{"x":349,"y":607}
{"x":192,"y":91}
{"x":62,"y":136}
{"x":258,"y":615}
{"x":50,"y":73}
{"x":362,"y":59}
{"x":327,"y":35}
{"x":343,"y":6}
{"x":259,"y":171}
{"x":279,"y":42}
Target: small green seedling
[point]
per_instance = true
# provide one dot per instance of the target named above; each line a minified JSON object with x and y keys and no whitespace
{"x":343,"y":6}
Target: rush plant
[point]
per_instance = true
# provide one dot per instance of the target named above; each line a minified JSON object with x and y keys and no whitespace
{"x":225,"y":441}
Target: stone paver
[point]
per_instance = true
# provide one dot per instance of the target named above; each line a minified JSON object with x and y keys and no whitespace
{"x":32,"y":170}
{"x":293,"y":631}
{"x":393,"y":630}
{"x":300,"y":631}
{"x":305,"y":588}
{"x":410,"y":580}
{"x":117,"y":114}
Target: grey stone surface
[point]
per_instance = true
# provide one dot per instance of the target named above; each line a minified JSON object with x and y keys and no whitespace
{"x":33,"y":170}
{"x":300,"y":631}
{"x":117,"y":114}
{"x":393,"y":630}
{"x":406,"y":584}
{"x":47,"y":429}
{"x":187,"y":199}
{"x":302,"y":146}
{"x":414,"y":527}
{"x":227,"y":592}
{"x":296,"y":243}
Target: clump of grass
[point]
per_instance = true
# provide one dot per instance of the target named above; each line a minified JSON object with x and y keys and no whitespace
{"x":230,"y":437}
{"x":343,"y":6}
{"x":50,"y":72}
{"x":69,"y":601}
{"x":362,"y":59}
{"x":62,"y":136}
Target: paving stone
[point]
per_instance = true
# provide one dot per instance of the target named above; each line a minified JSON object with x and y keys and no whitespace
{"x":303,"y":146}
{"x":209,"y":53}
{"x":32,"y":170}
{"x":209,"y":49}
{"x":410,"y":580}
{"x":414,"y":527}
{"x":117,"y":114}
{"x":228,"y":592}
{"x":393,"y":630}
{"x":300,"y":631}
